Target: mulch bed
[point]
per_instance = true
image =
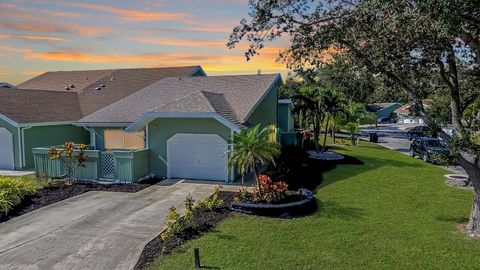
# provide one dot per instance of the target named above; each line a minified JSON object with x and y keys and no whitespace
{"x":60,"y":191}
{"x":202,"y":223}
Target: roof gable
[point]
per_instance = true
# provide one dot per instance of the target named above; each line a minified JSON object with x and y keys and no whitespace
{"x":232,"y":97}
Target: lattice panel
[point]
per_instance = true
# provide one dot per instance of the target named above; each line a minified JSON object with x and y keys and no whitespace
{"x":108,"y":166}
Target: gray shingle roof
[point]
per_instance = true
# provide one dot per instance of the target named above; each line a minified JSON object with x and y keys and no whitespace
{"x":44,"y":91}
{"x":34,"y":106}
{"x":233,"y":97}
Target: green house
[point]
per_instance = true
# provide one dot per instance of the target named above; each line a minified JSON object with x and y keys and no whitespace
{"x":178,"y":127}
{"x":42,"y":112}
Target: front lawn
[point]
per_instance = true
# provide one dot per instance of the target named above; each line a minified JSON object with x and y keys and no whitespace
{"x":393,"y":212}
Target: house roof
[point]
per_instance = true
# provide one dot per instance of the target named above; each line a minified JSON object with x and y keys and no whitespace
{"x":232,"y":97}
{"x":50,"y":87}
{"x":7,"y":85}
{"x":405,"y":109}
{"x":376,"y":107}
{"x":34,"y":106}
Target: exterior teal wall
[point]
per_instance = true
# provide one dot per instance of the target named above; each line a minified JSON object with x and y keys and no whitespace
{"x":44,"y":136}
{"x":16,"y":149}
{"x":160,"y":130}
{"x":285,"y":118}
{"x":266,"y":111}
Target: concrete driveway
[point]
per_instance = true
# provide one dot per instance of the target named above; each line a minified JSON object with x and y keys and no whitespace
{"x":96,"y":230}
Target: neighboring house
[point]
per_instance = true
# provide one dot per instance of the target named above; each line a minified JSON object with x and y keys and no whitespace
{"x":406,"y":116}
{"x":177,"y":128}
{"x":383,"y":109}
{"x":41,"y":111}
{"x":4,"y":85}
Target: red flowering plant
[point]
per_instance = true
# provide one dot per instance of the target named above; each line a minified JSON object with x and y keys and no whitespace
{"x":270,"y":191}
{"x":72,"y":155}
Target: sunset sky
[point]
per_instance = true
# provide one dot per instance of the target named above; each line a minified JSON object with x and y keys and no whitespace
{"x":38,"y":36}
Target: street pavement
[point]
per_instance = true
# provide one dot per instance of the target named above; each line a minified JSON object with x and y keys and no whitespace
{"x":394,"y":136}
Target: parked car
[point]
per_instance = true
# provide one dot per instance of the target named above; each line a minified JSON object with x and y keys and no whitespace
{"x":418,"y":131}
{"x":428,"y":148}
{"x":386,"y":120}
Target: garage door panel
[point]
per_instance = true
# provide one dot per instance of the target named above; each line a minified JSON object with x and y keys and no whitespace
{"x":197,"y":156}
{"x":6,"y":150}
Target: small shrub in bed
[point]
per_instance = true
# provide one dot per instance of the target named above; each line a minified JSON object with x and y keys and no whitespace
{"x":176,"y":223}
{"x":270,"y":191}
{"x":13,"y":190}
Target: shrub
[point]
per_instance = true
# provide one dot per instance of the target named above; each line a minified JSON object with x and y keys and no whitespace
{"x":271,"y":191}
{"x":13,"y":190}
{"x":174,"y":225}
{"x":212,"y":202}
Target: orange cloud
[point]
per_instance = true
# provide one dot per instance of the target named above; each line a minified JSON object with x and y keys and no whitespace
{"x":53,"y":28}
{"x":132,"y":15}
{"x":3,"y":36}
{"x":183,"y":43}
{"x":44,"y":38}
{"x":15,"y":49}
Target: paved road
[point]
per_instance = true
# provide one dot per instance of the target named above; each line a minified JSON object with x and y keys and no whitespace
{"x":394,"y":136}
{"x":391,"y":136}
{"x":96,"y":230}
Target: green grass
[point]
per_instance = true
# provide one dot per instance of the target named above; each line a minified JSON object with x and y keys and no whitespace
{"x":394,"y":212}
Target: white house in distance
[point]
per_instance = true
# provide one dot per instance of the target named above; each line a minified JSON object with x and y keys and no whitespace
{"x":405,"y":116}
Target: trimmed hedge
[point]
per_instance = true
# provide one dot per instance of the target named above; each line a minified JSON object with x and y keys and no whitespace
{"x":13,"y":190}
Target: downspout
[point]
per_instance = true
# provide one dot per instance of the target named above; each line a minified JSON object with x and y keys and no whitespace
{"x":20,"y":150}
{"x":232,"y":146}
{"x":23,"y":144}
{"x":94,"y":135}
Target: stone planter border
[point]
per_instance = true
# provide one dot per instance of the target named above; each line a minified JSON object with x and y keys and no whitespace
{"x":302,"y":207}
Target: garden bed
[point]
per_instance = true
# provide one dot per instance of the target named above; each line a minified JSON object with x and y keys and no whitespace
{"x":60,"y":191}
{"x":202,"y":222}
{"x":296,"y":204}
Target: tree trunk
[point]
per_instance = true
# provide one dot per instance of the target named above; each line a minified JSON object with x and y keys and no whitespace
{"x":316,"y":133}
{"x":334,"y":138}
{"x":255,"y":175}
{"x":353,"y":138}
{"x":325,"y":136}
{"x":471,"y":165}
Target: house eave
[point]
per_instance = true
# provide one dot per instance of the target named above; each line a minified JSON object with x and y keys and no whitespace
{"x":142,"y":121}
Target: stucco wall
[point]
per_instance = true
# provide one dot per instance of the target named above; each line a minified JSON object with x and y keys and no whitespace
{"x":266,"y":111}
{"x":285,"y":118}
{"x":160,"y":130}
{"x":14,"y":132}
{"x":51,"y":135}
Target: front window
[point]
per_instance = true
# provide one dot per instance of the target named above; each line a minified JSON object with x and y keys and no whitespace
{"x":119,"y":139}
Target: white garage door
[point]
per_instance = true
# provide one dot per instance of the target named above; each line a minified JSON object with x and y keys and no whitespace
{"x":197,"y":156}
{"x":6,"y":150}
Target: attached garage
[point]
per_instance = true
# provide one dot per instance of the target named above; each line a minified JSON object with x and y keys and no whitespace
{"x":197,"y":156}
{"x":7,"y":161}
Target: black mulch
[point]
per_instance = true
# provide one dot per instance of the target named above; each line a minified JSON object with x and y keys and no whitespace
{"x":60,"y":191}
{"x":202,"y":222}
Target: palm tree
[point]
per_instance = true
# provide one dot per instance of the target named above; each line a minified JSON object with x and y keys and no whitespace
{"x":251,"y":150}
{"x":308,"y":107}
{"x":332,"y":105}
{"x":354,"y":113}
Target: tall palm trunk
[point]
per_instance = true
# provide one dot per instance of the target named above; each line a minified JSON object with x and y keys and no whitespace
{"x":325,"y":135}
{"x":255,"y":176}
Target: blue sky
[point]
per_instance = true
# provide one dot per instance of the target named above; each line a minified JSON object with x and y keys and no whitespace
{"x":38,"y":36}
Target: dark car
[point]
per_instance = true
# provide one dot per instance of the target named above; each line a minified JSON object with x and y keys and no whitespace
{"x":418,"y":131}
{"x":428,"y":148}
{"x":386,"y":120}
